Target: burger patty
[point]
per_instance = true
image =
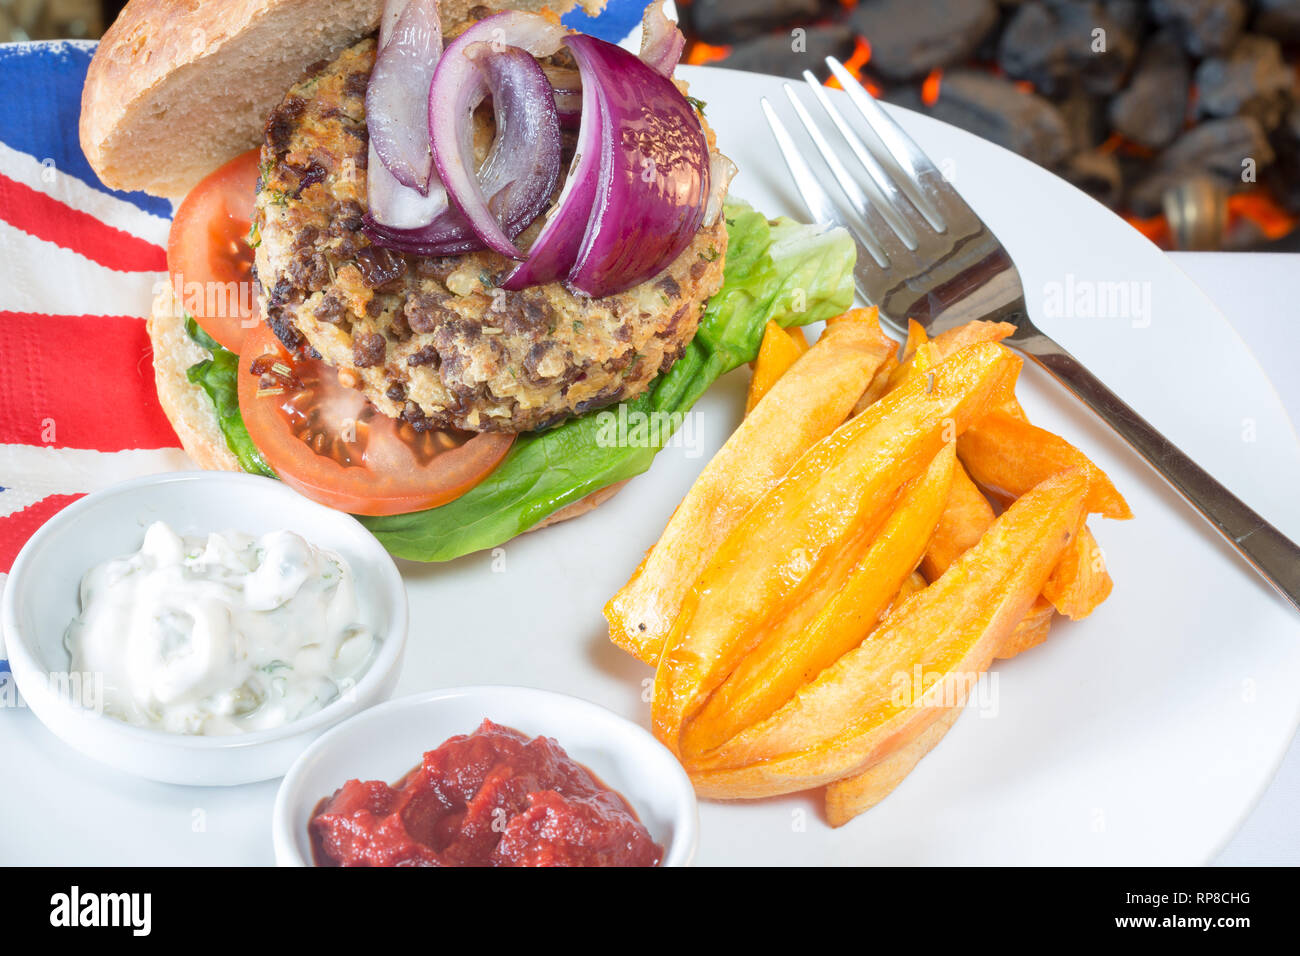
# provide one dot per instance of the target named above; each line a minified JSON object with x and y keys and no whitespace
{"x":433,"y":340}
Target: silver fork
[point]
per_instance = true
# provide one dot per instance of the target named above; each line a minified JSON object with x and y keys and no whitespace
{"x":925,"y":255}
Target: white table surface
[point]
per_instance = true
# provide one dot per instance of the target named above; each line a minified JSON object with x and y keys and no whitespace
{"x":1260,"y":295}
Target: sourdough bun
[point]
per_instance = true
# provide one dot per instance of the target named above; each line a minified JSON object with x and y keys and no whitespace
{"x":178,"y":87}
{"x":186,"y":405}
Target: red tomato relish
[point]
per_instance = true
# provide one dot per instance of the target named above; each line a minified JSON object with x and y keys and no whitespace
{"x":490,"y":798}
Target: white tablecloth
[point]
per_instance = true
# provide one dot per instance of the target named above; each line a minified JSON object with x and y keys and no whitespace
{"x":1260,"y":295}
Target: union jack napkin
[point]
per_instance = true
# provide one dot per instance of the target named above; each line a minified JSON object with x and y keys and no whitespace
{"x":79,"y":266}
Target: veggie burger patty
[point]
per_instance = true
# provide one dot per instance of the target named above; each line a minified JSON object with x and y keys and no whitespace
{"x":434,"y":340}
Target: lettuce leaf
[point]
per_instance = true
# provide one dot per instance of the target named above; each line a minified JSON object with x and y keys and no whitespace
{"x":218,"y":376}
{"x":781,"y":270}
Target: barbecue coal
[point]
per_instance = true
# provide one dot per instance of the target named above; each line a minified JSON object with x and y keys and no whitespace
{"x":909,"y":38}
{"x":1098,"y":173}
{"x":1283,"y":176}
{"x":1054,"y":45}
{"x":1150,"y":110}
{"x":726,"y":21}
{"x":1249,"y":79}
{"x":1127,"y":99}
{"x":787,"y":55}
{"x":1223,"y":148}
{"x":992,"y":107}
{"x":1279,"y":19}
{"x":1207,"y":27}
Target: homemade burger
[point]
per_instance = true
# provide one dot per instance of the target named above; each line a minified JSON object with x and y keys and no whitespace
{"x":457,"y":225}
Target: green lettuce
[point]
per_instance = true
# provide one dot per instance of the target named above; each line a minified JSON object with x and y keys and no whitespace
{"x":781,"y":270}
{"x":218,"y":376}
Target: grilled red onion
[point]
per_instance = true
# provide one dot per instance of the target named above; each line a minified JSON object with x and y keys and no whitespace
{"x":459,"y":85}
{"x":661,"y":42}
{"x":521,"y":169}
{"x":556,"y":247}
{"x":567,"y":85}
{"x":721,"y":172}
{"x":638,"y":187}
{"x":654,"y":178}
{"x":397,"y":98}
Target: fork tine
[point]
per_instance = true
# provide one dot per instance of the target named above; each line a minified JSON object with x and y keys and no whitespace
{"x":871,"y":212}
{"x":898,"y":205}
{"x":819,"y":203}
{"x":911,"y":160}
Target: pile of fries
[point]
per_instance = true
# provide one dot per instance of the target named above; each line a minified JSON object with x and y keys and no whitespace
{"x":844,"y":540}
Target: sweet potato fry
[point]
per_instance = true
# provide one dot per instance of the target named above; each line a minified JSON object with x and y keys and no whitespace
{"x":879,"y":385}
{"x":1080,"y":581}
{"x":795,"y":650}
{"x":913,"y":583}
{"x":966,"y":517}
{"x":781,"y":348}
{"x":1032,"y":629}
{"x":851,"y":796}
{"x":947,"y":344}
{"x":916,"y":338}
{"x":803,"y":407}
{"x":833,"y":494}
{"x":1007,"y":455}
{"x":920,"y":662}
{"x":920,"y":353}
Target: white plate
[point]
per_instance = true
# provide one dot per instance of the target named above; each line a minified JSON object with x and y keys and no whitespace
{"x":1142,"y":735}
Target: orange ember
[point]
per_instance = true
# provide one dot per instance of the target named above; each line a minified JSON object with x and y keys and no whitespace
{"x":1261,"y":209}
{"x":930,"y":87}
{"x":702,"y":53}
{"x":1156,"y":229}
{"x":854,"y":64}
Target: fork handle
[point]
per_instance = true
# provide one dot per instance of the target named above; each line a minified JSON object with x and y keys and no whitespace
{"x":1271,"y":553}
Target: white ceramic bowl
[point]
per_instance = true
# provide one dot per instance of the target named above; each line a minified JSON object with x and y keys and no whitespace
{"x":41,"y":599}
{"x":385,"y":742}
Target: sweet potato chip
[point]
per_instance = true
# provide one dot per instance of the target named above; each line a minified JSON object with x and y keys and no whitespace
{"x":781,"y":348}
{"x":802,"y":407}
{"x":825,"y":625}
{"x":1009,"y":456}
{"x":922,"y":661}
{"x":1080,"y":581}
{"x":851,"y":796}
{"x":879,"y":385}
{"x":1032,"y":629}
{"x":966,"y":517}
{"x":831,"y":497}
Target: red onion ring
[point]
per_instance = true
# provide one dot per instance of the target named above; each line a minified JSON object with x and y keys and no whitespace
{"x":661,"y":42}
{"x":567,"y":85}
{"x":556,"y":247}
{"x":519,"y":173}
{"x":458,"y":88}
{"x":654,"y":177}
{"x":397,"y":96}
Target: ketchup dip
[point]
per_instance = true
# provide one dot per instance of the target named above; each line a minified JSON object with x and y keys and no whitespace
{"x":490,"y":798}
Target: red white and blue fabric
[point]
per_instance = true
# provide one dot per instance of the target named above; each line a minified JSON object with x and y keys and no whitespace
{"x":79,"y":265}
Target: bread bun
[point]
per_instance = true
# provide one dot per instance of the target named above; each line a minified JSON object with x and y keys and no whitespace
{"x":186,"y":405}
{"x":178,"y":87}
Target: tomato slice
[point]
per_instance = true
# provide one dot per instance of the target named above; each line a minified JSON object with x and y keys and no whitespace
{"x":328,"y":442}
{"x":209,"y":255}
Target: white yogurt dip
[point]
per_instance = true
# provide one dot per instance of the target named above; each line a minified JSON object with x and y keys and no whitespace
{"x":226,"y":635}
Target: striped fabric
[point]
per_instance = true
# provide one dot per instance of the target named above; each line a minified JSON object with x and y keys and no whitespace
{"x":79,"y":265}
